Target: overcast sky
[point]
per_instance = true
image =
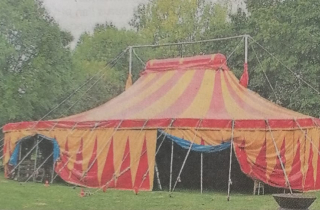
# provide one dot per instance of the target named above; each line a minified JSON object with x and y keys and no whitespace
{"x":78,"y":16}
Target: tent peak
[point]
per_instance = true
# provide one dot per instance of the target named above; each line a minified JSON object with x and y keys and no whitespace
{"x":213,"y":61}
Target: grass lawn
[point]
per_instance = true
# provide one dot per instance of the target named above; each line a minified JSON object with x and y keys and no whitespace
{"x":14,"y":195}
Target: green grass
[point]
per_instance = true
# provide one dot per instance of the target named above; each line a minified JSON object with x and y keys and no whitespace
{"x":14,"y":195}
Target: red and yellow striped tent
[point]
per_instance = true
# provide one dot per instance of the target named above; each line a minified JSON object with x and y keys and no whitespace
{"x":198,"y":99}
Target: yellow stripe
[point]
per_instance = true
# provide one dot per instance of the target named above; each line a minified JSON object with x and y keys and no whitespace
{"x":201,"y":102}
{"x":231,"y":105}
{"x":169,"y":98}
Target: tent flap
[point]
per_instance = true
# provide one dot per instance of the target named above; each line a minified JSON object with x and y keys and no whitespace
{"x":196,"y":147}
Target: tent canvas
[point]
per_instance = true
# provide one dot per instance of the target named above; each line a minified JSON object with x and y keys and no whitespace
{"x":197,"y":99}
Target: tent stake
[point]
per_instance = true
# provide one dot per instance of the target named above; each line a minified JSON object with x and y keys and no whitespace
{"x":230,"y":163}
{"x":171,"y":162}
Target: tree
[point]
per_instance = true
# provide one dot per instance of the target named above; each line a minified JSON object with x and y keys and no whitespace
{"x":35,"y":62}
{"x":91,"y":55}
{"x":168,"y":21}
{"x":288,"y":29}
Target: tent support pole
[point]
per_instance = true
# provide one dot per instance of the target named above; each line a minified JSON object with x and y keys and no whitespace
{"x":246,"y":48}
{"x":35,"y":161}
{"x":52,"y":173}
{"x":171,"y":162}
{"x":130,"y":60}
{"x":158,"y":177}
{"x":230,"y":161}
{"x":279,"y":157}
{"x":186,"y":157}
{"x":19,"y":159}
{"x":201,"y":173}
{"x":31,"y":150}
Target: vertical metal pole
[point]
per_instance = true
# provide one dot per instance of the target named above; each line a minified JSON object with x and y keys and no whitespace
{"x":158,"y":177}
{"x":246,"y":48}
{"x":52,"y":174}
{"x":20,"y":144}
{"x":230,"y":163}
{"x":201,"y":176}
{"x":130,"y":60}
{"x":171,"y":162}
{"x":35,"y":161}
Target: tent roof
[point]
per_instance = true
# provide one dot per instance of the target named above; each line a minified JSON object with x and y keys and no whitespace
{"x":195,"y":91}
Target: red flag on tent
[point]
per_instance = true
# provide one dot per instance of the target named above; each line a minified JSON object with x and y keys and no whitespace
{"x":244,"y":80}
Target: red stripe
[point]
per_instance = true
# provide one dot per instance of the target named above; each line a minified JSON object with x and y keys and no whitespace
{"x":185,"y":99}
{"x":217,"y":108}
{"x":148,"y":101}
{"x":203,"y":62}
{"x":163,"y":123}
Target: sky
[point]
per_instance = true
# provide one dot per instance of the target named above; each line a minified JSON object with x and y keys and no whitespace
{"x":78,"y":16}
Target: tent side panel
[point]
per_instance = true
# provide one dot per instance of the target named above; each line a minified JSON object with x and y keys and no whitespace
{"x":258,"y":158}
{"x":87,"y":157}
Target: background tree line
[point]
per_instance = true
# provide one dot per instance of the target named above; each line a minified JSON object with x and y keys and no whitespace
{"x":38,"y":69}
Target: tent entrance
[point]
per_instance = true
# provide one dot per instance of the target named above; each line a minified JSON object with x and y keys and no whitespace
{"x":33,"y":159}
{"x":215,"y":170}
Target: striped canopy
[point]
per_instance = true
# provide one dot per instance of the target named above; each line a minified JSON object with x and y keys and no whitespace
{"x":197,"y":99}
{"x":188,"y":90}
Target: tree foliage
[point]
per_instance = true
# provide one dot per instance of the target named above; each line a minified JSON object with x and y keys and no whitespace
{"x":36,"y":64}
{"x":290,"y":31}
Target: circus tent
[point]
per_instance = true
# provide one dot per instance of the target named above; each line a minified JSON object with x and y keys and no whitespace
{"x":199,"y":103}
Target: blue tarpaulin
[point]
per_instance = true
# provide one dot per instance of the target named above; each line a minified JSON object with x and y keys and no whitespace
{"x":196,"y":147}
{"x":15,"y":155}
